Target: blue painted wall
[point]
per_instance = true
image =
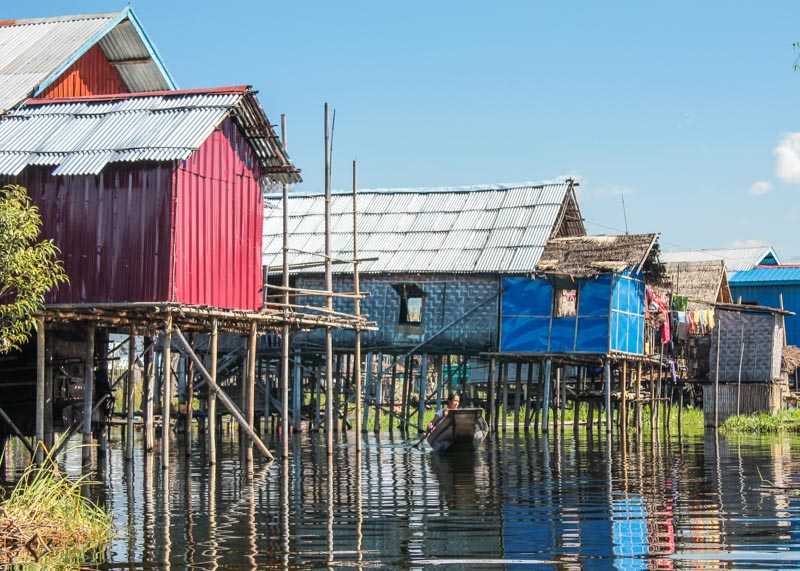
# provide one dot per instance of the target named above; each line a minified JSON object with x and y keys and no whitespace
{"x":765,"y":286}
{"x":610,"y":316}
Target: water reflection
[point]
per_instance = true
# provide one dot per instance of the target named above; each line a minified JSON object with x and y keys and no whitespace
{"x":568,"y":501}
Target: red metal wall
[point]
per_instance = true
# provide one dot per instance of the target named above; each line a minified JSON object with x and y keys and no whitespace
{"x":92,"y":74}
{"x":218,"y":222}
{"x":113,"y":230}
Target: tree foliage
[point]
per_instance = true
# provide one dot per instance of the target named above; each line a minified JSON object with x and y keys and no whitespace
{"x":29,"y":268}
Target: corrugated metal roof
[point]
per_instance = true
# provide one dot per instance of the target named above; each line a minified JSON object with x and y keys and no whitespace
{"x":80,"y":136}
{"x":736,"y":259}
{"x":475,"y":230}
{"x":767,"y":275}
{"x":34,"y":52}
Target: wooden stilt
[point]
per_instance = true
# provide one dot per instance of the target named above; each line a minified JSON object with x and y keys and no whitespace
{"x":624,"y":396}
{"x":392,"y":396}
{"x":250,"y":406}
{"x":408,"y":373}
{"x":423,"y":386}
{"x":517,"y":395}
{"x":41,"y":396}
{"x":528,"y":396}
{"x":297,"y":394}
{"x":368,"y":385}
{"x":504,"y":397}
{"x":149,"y":394}
{"x":166,"y":403}
{"x":378,"y":394}
{"x":187,"y":422}
{"x":129,"y":405}
{"x":212,"y":395}
{"x":607,"y":375}
{"x":652,"y":398}
{"x":49,"y":434}
{"x":576,"y":406}
{"x":491,"y":413}
{"x":562,"y":388}
{"x":88,"y":396}
{"x":638,"y":407}
{"x":546,"y":397}
{"x":347,"y":384}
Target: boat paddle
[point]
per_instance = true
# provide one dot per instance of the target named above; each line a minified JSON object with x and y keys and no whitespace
{"x":424,"y":436}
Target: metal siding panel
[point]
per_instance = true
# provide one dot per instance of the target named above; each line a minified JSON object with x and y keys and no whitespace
{"x":218,"y":241}
{"x":90,"y":75}
{"x":112,"y":230}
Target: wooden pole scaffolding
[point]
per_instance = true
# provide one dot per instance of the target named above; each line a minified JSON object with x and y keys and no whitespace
{"x":166,"y":402}
{"x":285,"y":341}
{"x":221,"y":396}
{"x":212,"y":395}
{"x":357,"y":302}
{"x":328,"y":296}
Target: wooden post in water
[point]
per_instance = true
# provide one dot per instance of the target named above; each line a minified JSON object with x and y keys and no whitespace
{"x":562,"y":387}
{"x":166,"y":402}
{"x":423,"y":386}
{"x":149,"y":393}
{"x":491,"y":413}
{"x":652,"y":398}
{"x":504,"y":396}
{"x":250,"y":405}
{"x":392,"y":396}
{"x":212,"y":395}
{"x":357,"y":311}
{"x":716,"y":378}
{"x":607,"y":375}
{"x":285,"y":341}
{"x":129,"y":405}
{"x":187,"y":419}
{"x":546,"y":396}
{"x":41,"y":396}
{"x":638,"y":407}
{"x":623,"y":411}
{"x":528,"y":395}
{"x":517,"y":396}
{"x":88,"y":396}
{"x":329,"y":295}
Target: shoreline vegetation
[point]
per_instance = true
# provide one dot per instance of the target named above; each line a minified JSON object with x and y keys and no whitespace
{"x":764,"y":423}
{"x":46,"y":521}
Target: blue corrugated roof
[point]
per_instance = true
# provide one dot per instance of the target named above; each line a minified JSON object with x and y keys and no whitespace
{"x":777,"y":275}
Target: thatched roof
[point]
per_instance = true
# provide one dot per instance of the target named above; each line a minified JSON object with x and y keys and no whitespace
{"x":588,"y":256}
{"x":791,"y":358}
{"x":702,"y":281}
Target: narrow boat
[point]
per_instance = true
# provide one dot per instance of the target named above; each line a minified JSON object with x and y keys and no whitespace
{"x":463,"y":429}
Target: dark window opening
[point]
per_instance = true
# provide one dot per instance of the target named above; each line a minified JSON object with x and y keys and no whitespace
{"x":410,"y":303}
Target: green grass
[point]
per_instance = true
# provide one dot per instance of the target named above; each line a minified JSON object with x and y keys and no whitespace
{"x":764,"y":423}
{"x":46,"y":522}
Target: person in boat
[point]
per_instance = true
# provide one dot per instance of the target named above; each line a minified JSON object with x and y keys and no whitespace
{"x":452,"y":403}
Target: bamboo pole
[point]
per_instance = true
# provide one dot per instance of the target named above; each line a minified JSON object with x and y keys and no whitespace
{"x":212,"y":395}
{"x":739,"y":383}
{"x":392,"y":396}
{"x":357,"y":302}
{"x":285,"y":340}
{"x":716,"y":378}
{"x":504,"y":395}
{"x":528,"y":391}
{"x":624,"y":396}
{"x":638,"y":408}
{"x":607,"y":375}
{"x":561,"y":374}
{"x":328,"y":298}
{"x":166,"y":402}
{"x":49,"y":434}
{"x":187,"y":419}
{"x":250,"y":407}
{"x":423,"y":386}
{"x":129,"y":396}
{"x":223,"y":398}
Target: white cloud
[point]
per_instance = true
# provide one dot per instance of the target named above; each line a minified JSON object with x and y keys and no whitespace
{"x":787,"y":167}
{"x":759,"y":188}
{"x":746,"y":243}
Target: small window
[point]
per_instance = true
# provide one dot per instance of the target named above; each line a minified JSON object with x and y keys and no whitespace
{"x":565,"y":302}
{"x":410,"y":303}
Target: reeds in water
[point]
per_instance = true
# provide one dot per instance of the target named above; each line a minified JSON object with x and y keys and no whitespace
{"x":47,"y":520}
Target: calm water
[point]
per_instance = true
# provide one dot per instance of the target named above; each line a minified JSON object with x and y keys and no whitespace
{"x":557,"y":502}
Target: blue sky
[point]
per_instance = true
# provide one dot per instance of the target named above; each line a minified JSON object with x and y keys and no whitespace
{"x":687,"y":109}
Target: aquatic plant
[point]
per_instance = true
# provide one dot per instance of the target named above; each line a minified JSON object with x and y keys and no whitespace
{"x":782,"y":421}
{"x":46,"y":520}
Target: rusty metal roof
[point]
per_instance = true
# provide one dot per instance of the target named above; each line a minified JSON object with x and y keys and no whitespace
{"x":80,"y":136}
{"x":35,"y":52}
{"x":497,"y":229}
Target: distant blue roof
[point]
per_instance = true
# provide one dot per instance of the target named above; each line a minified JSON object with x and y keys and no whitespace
{"x":778,"y":275}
